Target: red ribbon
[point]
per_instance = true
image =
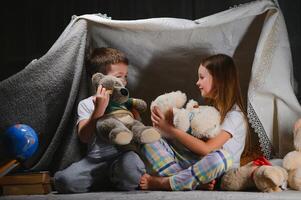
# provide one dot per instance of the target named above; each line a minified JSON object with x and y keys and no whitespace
{"x":261,"y":161}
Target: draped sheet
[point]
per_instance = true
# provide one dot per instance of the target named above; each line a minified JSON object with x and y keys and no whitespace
{"x":164,"y":56}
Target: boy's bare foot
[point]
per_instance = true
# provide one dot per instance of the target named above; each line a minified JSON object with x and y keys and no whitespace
{"x":148,"y":182}
{"x":207,"y":186}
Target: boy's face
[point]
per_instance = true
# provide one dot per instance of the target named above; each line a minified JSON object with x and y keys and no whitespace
{"x":119,"y":70}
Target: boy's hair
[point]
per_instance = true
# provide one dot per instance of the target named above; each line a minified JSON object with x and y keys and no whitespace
{"x":101,"y":58}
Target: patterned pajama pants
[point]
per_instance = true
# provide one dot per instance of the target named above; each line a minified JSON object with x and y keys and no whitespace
{"x":185,"y":173}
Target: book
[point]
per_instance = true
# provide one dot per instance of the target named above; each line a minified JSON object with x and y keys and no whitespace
{"x":29,"y":189}
{"x":26,"y":183}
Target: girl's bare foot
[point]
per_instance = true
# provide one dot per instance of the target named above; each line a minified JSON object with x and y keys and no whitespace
{"x":148,"y":182}
{"x":207,"y":186}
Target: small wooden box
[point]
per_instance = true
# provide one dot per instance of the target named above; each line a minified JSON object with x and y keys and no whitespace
{"x":26,"y":183}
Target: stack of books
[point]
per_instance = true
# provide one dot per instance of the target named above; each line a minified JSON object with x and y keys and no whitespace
{"x":26,"y":183}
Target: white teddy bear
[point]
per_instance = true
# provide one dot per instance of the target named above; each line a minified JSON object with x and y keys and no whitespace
{"x":169,"y":100}
{"x":292,"y":160}
{"x":199,"y":121}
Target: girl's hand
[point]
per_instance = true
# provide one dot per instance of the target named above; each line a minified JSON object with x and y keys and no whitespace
{"x":101,"y":101}
{"x":162,"y":122}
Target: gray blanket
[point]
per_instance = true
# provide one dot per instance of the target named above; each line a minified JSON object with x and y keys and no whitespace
{"x":45,"y":95}
{"x":164,"y":56}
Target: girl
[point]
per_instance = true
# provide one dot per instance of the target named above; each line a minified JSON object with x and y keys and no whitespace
{"x":187,"y":163}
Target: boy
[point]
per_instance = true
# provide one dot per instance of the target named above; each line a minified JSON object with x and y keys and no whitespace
{"x":105,"y":165}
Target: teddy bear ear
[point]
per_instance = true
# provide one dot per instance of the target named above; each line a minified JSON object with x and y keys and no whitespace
{"x":96,"y":79}
{"x":180,"y":98}
{"x":192,"y":104}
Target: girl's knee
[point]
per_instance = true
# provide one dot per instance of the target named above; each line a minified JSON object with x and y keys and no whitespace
{"x":156,"y":147}
{"x":145,"y":147}
{"x":213,"y":165}
{"x":225,"y":159}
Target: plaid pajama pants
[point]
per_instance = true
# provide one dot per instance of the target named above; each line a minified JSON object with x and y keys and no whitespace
{"x":185,"y":172}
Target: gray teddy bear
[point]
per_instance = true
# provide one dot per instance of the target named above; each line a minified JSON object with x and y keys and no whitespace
{"x":118,"y":124}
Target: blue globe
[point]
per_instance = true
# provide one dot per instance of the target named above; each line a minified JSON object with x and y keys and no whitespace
{"x":22,"y":141}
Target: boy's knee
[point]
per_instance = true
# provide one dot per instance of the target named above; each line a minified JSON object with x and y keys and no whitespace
{"x":65,"y":183}
{"x":127,"y":171}
{"x":131,"y":161}
{"x":61,"y":182}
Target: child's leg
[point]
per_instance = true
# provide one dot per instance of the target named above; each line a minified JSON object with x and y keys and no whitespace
{"x":126,"y":171}
{"x":90,"y":173}
{"x":82,"y":176}
{"x":209,"y":168}
{"x":161,"y":158}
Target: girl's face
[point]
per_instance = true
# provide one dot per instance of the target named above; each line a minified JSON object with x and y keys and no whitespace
{"x":205,"y":81}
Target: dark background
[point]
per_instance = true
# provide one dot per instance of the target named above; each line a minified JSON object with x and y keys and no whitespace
{"x":29,"y":28}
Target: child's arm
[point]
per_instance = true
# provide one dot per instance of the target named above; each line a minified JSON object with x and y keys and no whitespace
{"x":87,"y":127}
{"x":194,"y":144}
{"x":136,"y":114}
{"x":199,"y":146}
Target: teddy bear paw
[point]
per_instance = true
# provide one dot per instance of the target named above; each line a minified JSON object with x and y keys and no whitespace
{"x":149,"y":136}
{"x":123,"y":138}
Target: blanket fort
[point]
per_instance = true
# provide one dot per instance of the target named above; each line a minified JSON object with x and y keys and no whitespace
{"x":164,"y":54}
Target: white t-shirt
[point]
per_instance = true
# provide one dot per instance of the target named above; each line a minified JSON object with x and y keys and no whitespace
{"x":235,"y":124}
{"x":85,"y":109}
{"x":97,"y":149}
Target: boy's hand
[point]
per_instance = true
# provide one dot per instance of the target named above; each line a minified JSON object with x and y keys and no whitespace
{"x":101,"y":101}
{"x":136,"y":114}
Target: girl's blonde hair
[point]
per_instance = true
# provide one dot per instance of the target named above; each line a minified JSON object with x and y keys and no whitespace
{"x":226,"y":91}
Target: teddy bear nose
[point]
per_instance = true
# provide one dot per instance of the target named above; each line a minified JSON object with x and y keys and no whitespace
{"x":124,"y":92}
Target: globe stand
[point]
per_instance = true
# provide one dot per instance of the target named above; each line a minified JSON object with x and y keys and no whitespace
{"x":8,"y":167}
{"x":21,"y":142}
